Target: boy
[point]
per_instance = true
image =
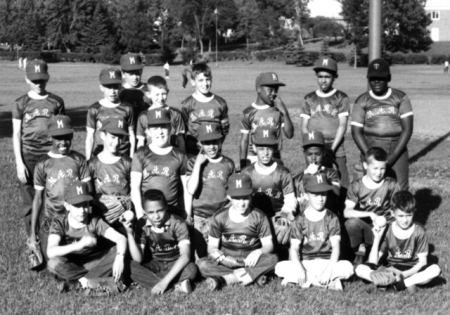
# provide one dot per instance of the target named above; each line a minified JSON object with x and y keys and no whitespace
{"x":406,"y":246}
{"x":111,"y":172}
{"x":53,"y":172}
{"x":268,"y":111}
{"x":166,"y":237}
{"x":74,"y":250}
{"x":158,"y":165}
{"x":208,"y":175}
{"x":317,"y":233}
{"x":158,"y":91}
{"x":240,"y":241}
{"x":202,"y":106}
{"x":326,"y":110}
{"x":313,"y":149}
{"x":273,"y":187}
{"x":30,"y":116}
{"x":383,"y":117}
{"x":109,"y":107}
{"x":368,"y":198}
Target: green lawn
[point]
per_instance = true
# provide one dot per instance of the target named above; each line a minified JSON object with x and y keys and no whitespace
{"x":24,"y":292}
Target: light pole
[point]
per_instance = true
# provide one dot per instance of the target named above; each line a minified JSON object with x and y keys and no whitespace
{"x":375,"y":29}
{"x":216,"y":13}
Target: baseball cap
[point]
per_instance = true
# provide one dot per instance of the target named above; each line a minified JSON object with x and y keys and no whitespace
{"x":110,"y":76}
{"x":317,"y":183}
{"x":37,"y":70}
{"x":313,"y":138}
{"x":378,"y":68}
{"x":76,"y":192}
{"x":115,"y":126}
{"x":60,"y":126}
{"x":265,"y":136}
{"x":268,"y":79}
{"x":158,"y":116}
{"x":326,"y":63}
{"x":130,"y":62}
{"x":239,"y":185}
{"x":209,"y":131}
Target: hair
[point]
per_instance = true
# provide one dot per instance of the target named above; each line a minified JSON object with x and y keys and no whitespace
{"x":199,"y":68}
{"x":154,"y":195}
{"x":403,"y":200}
{"x":376,"y":153}
{"x":333,"y":73}
{"x":158,"y":82}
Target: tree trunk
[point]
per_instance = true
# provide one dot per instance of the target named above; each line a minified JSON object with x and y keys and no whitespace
{"x":209,"y":46}
{"x":356,"y":57}
{"x":247,"y":42}
{"x":201,"y":46}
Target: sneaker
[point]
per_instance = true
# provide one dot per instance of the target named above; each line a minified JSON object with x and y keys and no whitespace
{"x":412,"y":289}
{"x":183,"y":286}
{"x":261,"y":281}
{"x":335,"y":285}
{"x":100,"y":287}
{"x":66,"y":286}
{"x":214,"y":283}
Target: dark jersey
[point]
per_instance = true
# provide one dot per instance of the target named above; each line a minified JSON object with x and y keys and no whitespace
{"x":111,"y":178}
{"x":381,"y":116}
{"x":211,"y":195}
{"x":53,"y":172}
{"x":373,"y":200}
{"x":324,"y":111}
{"x":270,"y":188}
{"x":245,"y":236}
{"x":315,"y":237}
{"x":136,"y":98}
{"x":164,"y":245}
{"x":34,"y":114}
{"x":98,"y":113}
{"x":405,"y":252}
{"x":160,"y":171}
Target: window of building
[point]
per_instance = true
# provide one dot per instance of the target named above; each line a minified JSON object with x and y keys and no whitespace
{"x":434,"y":15}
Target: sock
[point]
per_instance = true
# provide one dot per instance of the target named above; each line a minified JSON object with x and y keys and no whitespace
{"x":84,"y":282}
{"x":230,"y":279}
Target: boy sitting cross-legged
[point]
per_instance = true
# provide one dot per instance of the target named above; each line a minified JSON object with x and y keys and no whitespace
{"x":317,"y":234}
{"x":406,"y":245}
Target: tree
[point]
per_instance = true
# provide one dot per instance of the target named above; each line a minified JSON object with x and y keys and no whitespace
{"x":328,"y":28}
{"x":95,"y":33}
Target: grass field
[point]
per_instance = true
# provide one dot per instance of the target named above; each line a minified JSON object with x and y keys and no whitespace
{"x":24,"y":292}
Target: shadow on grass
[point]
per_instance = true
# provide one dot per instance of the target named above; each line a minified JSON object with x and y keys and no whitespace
{"x":426,"y":202}
{"x":5,"y":124}
{"x":428,"y":149}
{"x":433,"y":259}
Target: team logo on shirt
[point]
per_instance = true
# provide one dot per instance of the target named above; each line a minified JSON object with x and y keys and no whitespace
{"x":381,"y":111}
{"x":202,"y":114}
{"x":114,"y":179}
{"x":165,"y":248}
{"x":372,"y":202}
{"x":159,"y":171}
{"x":403,"y":255}
{"x":239,"y":239}
{"x":215,"y":175}
{"x":328,"y":109}
{"x":320,"y":237}
{"x":61,"y":174}
{"x":271,"y":193}
{"x":36,"y":113}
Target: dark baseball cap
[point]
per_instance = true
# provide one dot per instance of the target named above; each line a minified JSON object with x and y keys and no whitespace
{"x":130,"y":62}
{"x":76,"y":192}
{"x":268,"y":79}
{"x":239,"y":185}
{"x":313,"y":138}
{"x":60,"y":126}
{"x":378,"y":68}
{"x":326,"y":63}
{"x":317,"y":183}
{"x":265,"y":136}
{"x":158,"y":116}
{"x":37,"y":70}
{"x":209,"y":131}
{"x":110,"y":76}
{"x":115,"y":126}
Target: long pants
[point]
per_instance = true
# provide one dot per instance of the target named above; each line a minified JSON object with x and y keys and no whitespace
{"x":340,"y":160}
{"x":199,"y":234}
{"x":44,"y":229}
{"x":27,"y":190}
{"x":359,"y":231}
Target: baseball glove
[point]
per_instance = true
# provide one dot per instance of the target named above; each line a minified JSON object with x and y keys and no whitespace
{"x":216,"y":255}
{"x":283,"y":234}
{"x":382,"y":277}
{"x":113,"y":207}
{"x":35,"y":257}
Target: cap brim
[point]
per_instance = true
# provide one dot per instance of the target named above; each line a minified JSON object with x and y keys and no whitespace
{"x":61,"y":132}
{"x":378,"y":75}
{"x":111,"y":82}
{"x":265,"y":142}
{"x":79,"y":199}
{"x":240,"y":192}
{"x":272,"y":84}
{"x":38,"y":76}
{"x":324,"y":69}
{"x":322,"y":144}
{"x":210,"y":137}
{"x":132,"y":67}
{"x":318,"y":188}
{"x":159,"y":122}
{"x":116,"y":131}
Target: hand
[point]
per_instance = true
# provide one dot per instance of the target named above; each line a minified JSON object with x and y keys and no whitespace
{"x":278,"y":102}
{"x":398,"y":274}
{"x":252,"y":258}
{"x":325,"y":277}
{"x":201,"y":158}
{"x":373,"y":216}
{"x":118,"y":267}
{"x":377,"y":232}
{"x":88,"y":240}
{"x":159,"y":288}
{"x":190,"y":220}
{"x":127,"y":225}
{"x":283,"y":222}
{"x":301,"y":276}
{"x":22,"y":172}
{"x":312,"y":169}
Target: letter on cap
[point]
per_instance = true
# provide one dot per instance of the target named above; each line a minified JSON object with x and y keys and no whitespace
{"x":319,"y":179}
{"x":132,"y":61}
{"x":376,"y":66}
{"x":208,"y":128}
{"x":60,"y":124}
{"x":266,"y":133}
{"x":311,"y":135}
{"x":79,"y":190}
{"x":238,"y":183}
{"x":325,"y":62}
{"x":112,"y":75}
{"x":158,"y":114}
{"x":37,"y":68}
{"x":120,"y":124}
{"x":274,"y":77}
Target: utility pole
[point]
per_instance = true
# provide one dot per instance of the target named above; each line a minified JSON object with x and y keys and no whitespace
{"x":217,"y":43}
{"x":375,"y":29}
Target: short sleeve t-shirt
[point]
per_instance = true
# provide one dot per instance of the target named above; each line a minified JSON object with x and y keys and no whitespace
{"x":53,"y":172}
{"x":381,"y":116}
{"x":270,"y":187}
{"x":99,"y":112}
{"x":405,"y":252}
{"x":35,"y":114}
{"x":111,"y":178}
{"x":315,"y":236}
{"x":211,"y":195}
{"x":160,"y":171}
{"x":324,"y":110}
{"x":373,"y":200}
{"x":164,"y":246}
{"x":136,"y":98}
{"x":261,"y":116}
{"x":69,"y":235}
{"x":245,"y":236}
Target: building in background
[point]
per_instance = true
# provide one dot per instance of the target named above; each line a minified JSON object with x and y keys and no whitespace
{"x":439,"y":12}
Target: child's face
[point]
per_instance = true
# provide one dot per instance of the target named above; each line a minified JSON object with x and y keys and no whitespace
{"x":375,"y":169}
{"x":111,"y":143}
{"x":78,"y":212}
{"x":61,"y":144}
{"x":325,"y":81}
{"x":159,"y":134}
{"x":317,"y":200}
{"x":37,"y":86}
{"x":157,"y":95}
{"x":404,"y":220}
{"x":379,"y":86}
{"x":265,"y":154}
{"x":156,"y":212}
{"x":132,"y":78}
{"x":241,"y":204}
{"x":202,"y":84}
{"x":211,"y":148}
{"x":111,"y":92}
{"x":268,"y":94}
{"x":314,"y":155}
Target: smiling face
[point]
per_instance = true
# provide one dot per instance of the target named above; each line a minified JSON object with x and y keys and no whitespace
{"x":158,"y":95}
{"x":159,"y":134}
{"x":265,"y":154}
{"x":314,"y":155}
{"x":241,"y":205}
{"x":317,"y":200}
{"x":37,"y":86}
{"x":379,"y":86}
{"x":325,"y":81}
{"x":202,"y":83}
{"x":78,"y":212}
{"x":111,"y":142}
{"x":403,"y":219}
{"x":61,"y":144}
{"x":375,"y":169}
{"x":211,"y":148}
{"x":132,"y":77}
{"x":111,"y":92}
{"x":267,"y":94}
{"x":156,"y":212}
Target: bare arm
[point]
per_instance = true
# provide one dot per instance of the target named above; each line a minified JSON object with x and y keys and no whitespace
{"x":55,"y":250}
{"x":89,"y":142}
{"x":136,"y":181}
{"x":121,"y":245}
{"x":135,"y":251}
{"x":180,"y":264}
{"x":340,"y":133}
{"x":22,"y":170}
{"x":374,"y":255}
{"x":407,"y":130}
{"x":244,"y":149}
{"x":305,"y":122}
{"x":36,"y":210}
{"x":140,"y":141}
{"x":288,"y":128}
{"x":416,"y":268}
{"x":358,"y":137}
{"x":350,"y":212}
{"x":132,"y":141}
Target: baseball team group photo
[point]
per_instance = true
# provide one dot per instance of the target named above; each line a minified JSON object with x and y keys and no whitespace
{"x":225,"y":187}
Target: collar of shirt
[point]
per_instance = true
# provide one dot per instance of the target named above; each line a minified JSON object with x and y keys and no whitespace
{"x":389,"y":92}
{"x":162,"y":229}
{"x":216,"y":160}
{"x":158,"y":150}
{"x":129,"y":87}
{"x":266,"y":171}
{"x":260,"y":107}
{"x":36,"y":96}
{"x":321,"y":94}
{"x":57,"y":156}
{"x":202,"y":98}
{"x":104,"y":102}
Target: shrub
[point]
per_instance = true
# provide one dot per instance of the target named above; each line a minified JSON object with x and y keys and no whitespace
{"x":416,"y":59}
{"x":438,"y":59}
{"x":398,"y":59}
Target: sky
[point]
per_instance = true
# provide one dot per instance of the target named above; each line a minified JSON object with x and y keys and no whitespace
{"x":327,"y":8}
